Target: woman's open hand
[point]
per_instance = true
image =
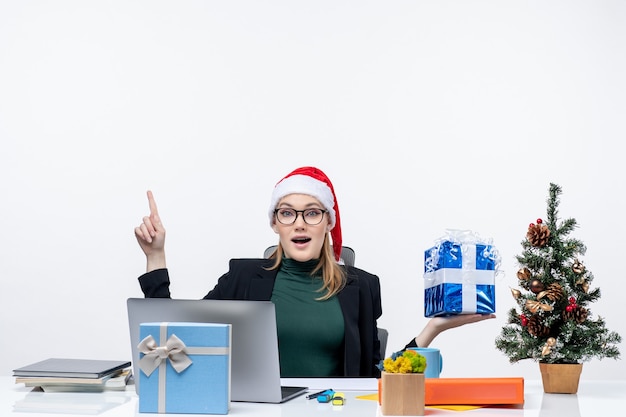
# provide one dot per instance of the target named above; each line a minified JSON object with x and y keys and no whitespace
{"x":436,"y":325}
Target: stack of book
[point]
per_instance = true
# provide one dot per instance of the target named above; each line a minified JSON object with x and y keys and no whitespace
{"x":75,"y":375}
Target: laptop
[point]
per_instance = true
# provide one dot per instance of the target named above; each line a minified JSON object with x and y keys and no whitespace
{"x":255,"y":370}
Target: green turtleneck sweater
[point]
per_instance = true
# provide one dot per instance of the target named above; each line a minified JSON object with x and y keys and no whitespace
{"x":310,"y":331}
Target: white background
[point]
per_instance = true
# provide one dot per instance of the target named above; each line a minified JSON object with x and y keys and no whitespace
{"x":427,"y":116}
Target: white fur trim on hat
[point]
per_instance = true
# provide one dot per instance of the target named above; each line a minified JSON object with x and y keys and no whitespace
{"x":303,"y":184}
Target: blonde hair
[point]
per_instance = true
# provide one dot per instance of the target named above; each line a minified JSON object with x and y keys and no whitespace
{"x":333,"y":275}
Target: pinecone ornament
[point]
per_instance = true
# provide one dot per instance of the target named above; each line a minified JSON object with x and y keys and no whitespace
{"x":536,"y":327}
{"x":578,"y":314}
{"x":554,"y":292}
{"x":538,"y":235}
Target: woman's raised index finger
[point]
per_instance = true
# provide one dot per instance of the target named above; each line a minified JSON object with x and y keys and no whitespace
{"x":152,"y":203}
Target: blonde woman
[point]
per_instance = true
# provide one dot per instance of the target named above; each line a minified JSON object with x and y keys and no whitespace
{"x":326,"y":312}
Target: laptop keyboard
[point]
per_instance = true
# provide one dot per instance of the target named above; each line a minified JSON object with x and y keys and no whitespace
{"x":287,"y":391}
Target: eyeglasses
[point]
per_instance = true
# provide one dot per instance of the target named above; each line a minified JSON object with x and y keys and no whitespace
{"x":310,"y":216}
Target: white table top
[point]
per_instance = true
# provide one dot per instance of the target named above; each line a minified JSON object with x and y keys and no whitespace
{"x":594,"y":398}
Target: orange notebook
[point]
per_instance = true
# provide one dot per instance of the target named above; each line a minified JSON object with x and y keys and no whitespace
{"x":473,"y":391}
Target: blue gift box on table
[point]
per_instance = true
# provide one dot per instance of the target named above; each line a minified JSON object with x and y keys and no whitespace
{"x":184,"y":368}
{"x":459,"y":277}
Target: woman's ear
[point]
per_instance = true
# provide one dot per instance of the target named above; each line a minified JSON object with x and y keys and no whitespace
{"x":274,"y":227}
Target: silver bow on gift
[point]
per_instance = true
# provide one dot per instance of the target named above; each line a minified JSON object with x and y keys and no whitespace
{"x":174,"y":350}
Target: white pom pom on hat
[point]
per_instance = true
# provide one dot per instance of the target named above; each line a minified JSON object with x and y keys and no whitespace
{"x":311,"y":181}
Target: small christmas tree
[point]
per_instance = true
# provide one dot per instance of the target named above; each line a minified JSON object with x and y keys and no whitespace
{"x":555,"y":324}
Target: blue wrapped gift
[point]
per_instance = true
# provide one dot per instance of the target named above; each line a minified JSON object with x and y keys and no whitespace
{"x":459,"y":278}
{"x":185,"y":368}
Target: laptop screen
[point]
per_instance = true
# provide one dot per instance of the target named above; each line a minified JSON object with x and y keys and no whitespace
{"x":255,"y":369}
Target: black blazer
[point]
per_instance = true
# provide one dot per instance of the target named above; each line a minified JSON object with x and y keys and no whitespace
{"x":248,"y":279}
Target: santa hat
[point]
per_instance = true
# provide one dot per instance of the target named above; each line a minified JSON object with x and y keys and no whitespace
{"x":311,"y":181}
